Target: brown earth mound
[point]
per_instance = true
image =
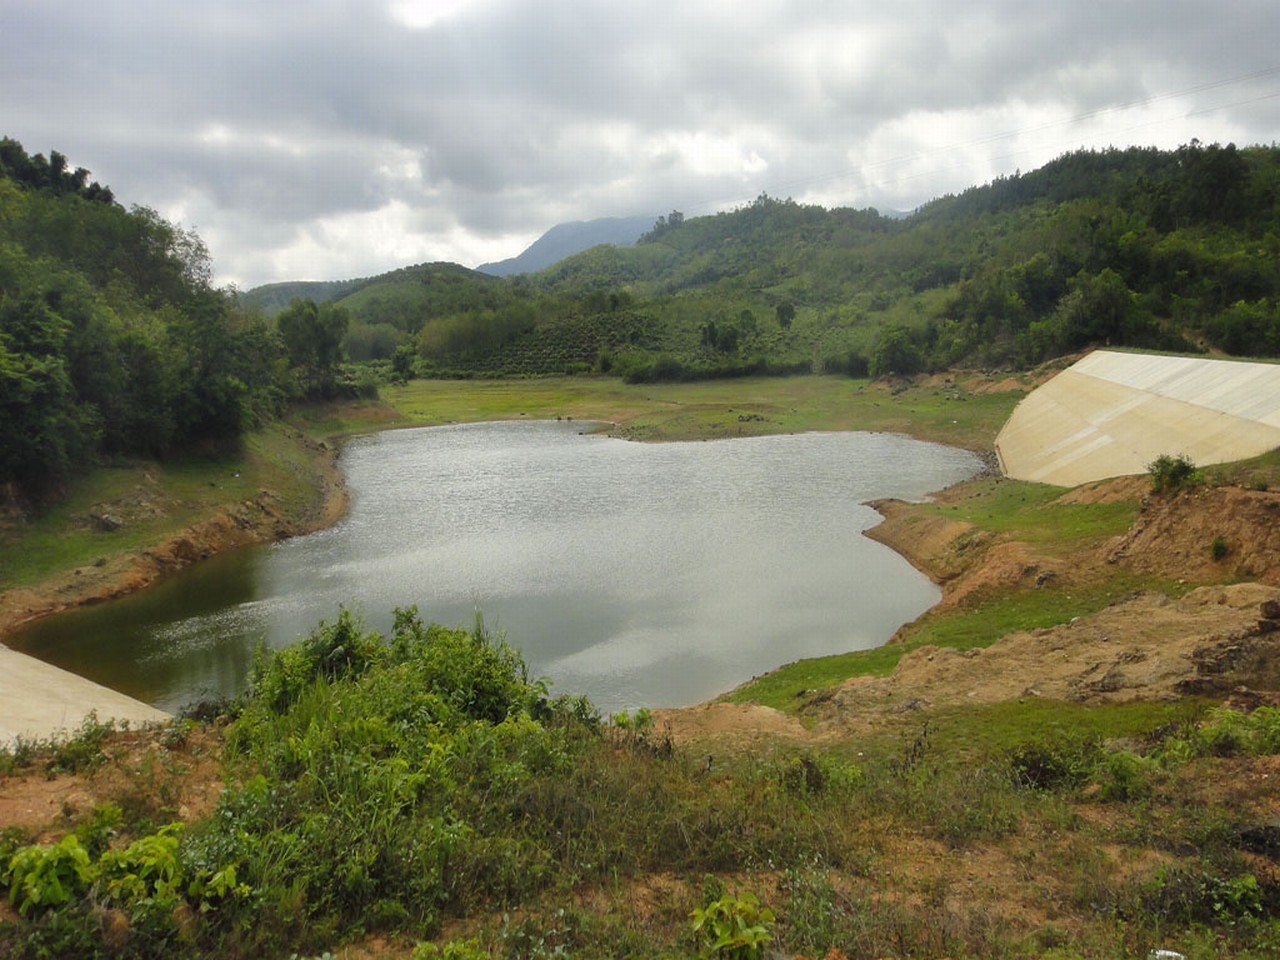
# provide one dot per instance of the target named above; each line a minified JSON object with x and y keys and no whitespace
{"x":1176,"y":536}
{"x":1221,"y":640}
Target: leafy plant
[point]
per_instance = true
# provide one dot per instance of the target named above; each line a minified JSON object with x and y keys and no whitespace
{"x":1124,"y":775}
{"x":471,"y":949}
{"x":147,"y":869}
{"x":733,"y":927}
{"x":41,"y":877}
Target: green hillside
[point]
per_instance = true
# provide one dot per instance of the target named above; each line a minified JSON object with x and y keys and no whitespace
{"x":113,"y":344}
{"x":116,"y":347}
{"x":271,"y":298}
{"x":1170,"y":250}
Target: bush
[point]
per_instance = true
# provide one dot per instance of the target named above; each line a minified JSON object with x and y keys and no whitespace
{"x":1052,"y":764}
{"x":41,"y":877}
{"x":1125,"y":776}
{"x":1171,"y":474}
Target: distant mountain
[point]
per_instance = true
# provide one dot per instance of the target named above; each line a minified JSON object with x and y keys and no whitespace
{"x":271,"y":298}
{"x":566,"y":239}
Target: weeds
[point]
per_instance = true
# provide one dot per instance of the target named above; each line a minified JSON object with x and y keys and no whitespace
{"x":733,"y":927}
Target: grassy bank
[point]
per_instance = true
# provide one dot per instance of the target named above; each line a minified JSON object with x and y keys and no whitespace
{"x":158,"y":501}
{"x":942,"y":412}
{"x":154,"y":501}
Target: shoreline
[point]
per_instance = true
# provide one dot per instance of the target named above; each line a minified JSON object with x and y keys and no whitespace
{"x":39,"y":701}
{"x":256,"y":521}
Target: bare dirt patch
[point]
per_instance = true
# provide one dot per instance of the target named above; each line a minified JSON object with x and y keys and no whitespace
{"x":178,"y":778}
{"x":1176,"y":536}
{"x":730,"y":727}
{"x":1149,"y":648}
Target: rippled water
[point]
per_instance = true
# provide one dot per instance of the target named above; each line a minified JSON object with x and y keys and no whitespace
{"x":640,"y":574}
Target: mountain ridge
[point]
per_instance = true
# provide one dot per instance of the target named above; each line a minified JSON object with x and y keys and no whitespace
{"x":565,"y":239}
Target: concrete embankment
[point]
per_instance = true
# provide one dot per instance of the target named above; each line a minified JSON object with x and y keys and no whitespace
{"x":1111,"y":414}
{"x":39,"y":701}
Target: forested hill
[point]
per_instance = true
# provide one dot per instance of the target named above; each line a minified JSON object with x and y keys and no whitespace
{"x":113,"y":343}
{"x":1143,"y":247}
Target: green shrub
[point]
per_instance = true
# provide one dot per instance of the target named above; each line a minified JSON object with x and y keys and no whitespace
{"x":1052,"y":764}
{"x":1189,"y":897}
{"x":733,"y":928}
{"x":1171,"y":474}
{"x":1124,"y":775}
{"x":147,"y":869}
{"x":1225,"y":733}
{"x":1218,"y":549}
{"x":44,"y":876}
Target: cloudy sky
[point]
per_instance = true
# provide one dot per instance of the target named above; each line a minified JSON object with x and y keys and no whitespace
{"x":325,"y":139}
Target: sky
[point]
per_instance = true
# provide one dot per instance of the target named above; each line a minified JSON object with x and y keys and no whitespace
{"x":331,"y":139}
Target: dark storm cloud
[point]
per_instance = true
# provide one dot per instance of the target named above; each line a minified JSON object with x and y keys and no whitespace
{"x":336,"y":137}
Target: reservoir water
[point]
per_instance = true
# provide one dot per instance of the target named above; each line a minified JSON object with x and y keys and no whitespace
{"x":639,"y":574}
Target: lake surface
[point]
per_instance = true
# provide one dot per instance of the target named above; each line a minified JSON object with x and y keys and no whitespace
{"x":639,"y":574}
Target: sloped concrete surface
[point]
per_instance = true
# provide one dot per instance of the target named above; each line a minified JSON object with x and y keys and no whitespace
{"x":1111,"y":414}
{"x":39,"y":701}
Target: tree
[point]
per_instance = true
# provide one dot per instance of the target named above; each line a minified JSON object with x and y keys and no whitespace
{"x":312,"y":338}
{"x":896,"y":353}
{"x":43,"y":436}
{"x":786,"y":312}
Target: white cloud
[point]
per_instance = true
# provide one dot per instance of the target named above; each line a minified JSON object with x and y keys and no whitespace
{"x":420,"y":14}
{"x":335,"y":138}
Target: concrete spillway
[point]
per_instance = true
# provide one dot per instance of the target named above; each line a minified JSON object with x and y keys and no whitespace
{"x":1111,"y":414}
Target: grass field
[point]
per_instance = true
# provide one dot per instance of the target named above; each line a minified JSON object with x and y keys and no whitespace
{"x":716,"y":408}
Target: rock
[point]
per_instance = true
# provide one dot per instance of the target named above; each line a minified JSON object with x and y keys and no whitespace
{"x":106,"y":522}
{"x":1269,"y":609}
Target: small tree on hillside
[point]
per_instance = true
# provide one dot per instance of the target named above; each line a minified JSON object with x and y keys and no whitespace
{"x":1171,"y":474}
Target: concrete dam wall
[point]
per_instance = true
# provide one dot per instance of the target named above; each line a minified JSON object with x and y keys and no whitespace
{"x":1112,"y":413}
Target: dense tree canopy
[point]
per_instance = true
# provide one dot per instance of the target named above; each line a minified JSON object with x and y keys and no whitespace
{"x":112,"y":341}
{"x":1138,"y":247}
